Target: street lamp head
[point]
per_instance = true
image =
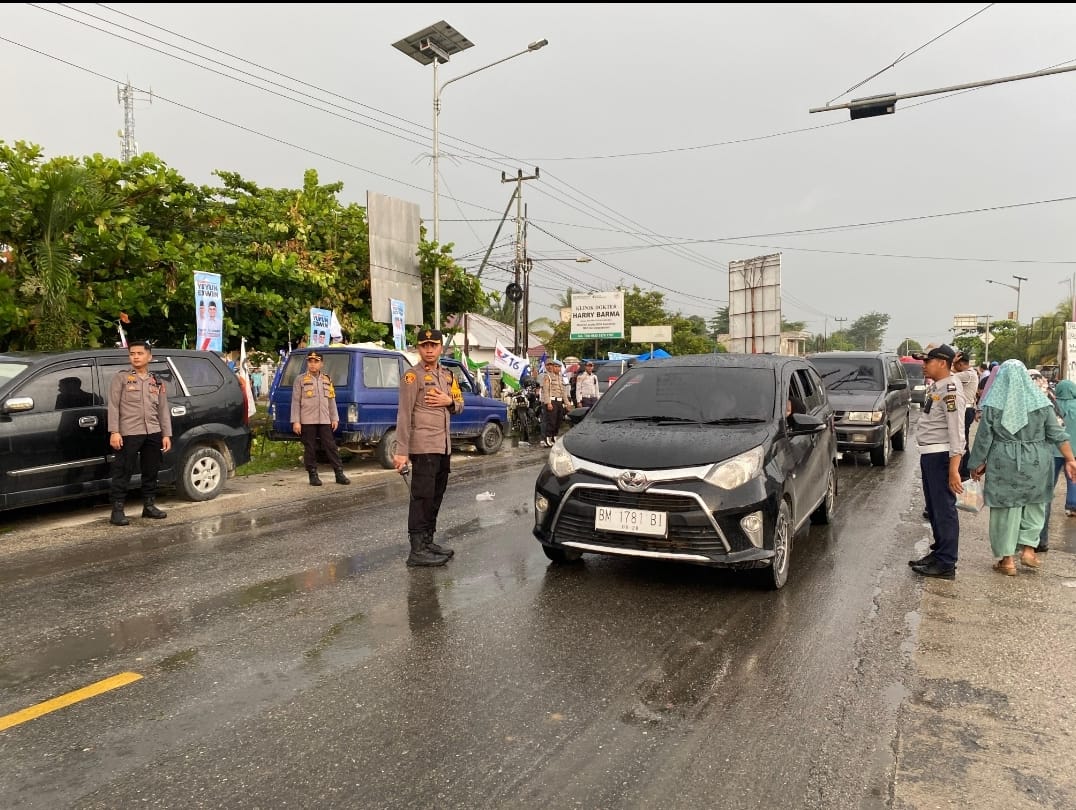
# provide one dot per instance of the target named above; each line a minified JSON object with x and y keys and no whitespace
{"x":535,"y":46}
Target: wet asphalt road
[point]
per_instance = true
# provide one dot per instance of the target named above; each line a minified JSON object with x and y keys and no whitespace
{"x":290,"y":659}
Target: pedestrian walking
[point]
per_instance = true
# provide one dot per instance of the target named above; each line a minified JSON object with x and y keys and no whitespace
{"x":1064,"y":402}
{"x":553,"y":396}
{"x":586,"y":387}
{"x":314,"y":418}
{"x":257,"y":380}
{"x":140,"y":431}
{"x":940,"y":433}
{"x":429,"y":395}
{"x":1012,"y":450}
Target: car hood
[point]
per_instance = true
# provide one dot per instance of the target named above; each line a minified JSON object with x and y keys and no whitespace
{"x":856,"y":400}
{"x":644,"y":446}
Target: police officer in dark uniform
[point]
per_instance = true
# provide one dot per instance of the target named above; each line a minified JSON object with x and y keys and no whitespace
{"x":139,"y":427}
{"x":940,"y":433}
{"x":429,"y":395}
{"x":314,"y":417}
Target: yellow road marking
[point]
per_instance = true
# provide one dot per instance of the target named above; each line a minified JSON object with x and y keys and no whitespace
{"x":86,"y":692}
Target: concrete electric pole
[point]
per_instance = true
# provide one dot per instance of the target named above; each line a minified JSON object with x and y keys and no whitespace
{"x":515,"y":294}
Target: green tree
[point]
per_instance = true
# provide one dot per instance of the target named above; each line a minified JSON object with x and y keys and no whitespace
{"x":867,"y":331}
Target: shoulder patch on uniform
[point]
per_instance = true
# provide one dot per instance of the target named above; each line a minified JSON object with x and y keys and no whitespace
{"x":409,"y":377}
{"x":950,"y":387}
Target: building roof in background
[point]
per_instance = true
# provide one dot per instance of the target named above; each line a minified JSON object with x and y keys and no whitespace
{"x":483,"y":333}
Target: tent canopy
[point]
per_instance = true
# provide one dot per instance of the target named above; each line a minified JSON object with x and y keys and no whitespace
{"x":655,"y":353}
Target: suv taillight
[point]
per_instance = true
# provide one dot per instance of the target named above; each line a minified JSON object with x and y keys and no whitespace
{"x":352,"y":412}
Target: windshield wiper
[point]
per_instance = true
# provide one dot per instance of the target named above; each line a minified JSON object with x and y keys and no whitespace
{"x":648,"y":419}
{"x":735,"y":420}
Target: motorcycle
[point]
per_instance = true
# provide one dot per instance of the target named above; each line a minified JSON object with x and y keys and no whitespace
{"x":525,"y":413}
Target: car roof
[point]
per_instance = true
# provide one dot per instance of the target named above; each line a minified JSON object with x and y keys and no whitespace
{"x":36,"y":357}
{"x":851,"y":354}
{"x":722,"y":360}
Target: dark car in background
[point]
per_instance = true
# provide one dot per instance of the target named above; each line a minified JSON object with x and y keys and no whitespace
{"x":871,"y":401}
{"x":54,"y":424}
{"x":607,"y":372}
{"x":694,"y":459}
{"x":917,"y":381}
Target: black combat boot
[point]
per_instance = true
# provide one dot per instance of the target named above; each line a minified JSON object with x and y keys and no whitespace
{"x":315,"y":481}
{"x":118,"y":517}
{"x":420,"y":555}
{"x":341,"y":478}
{"x":149,"y":510}
{"x":444,"y":551}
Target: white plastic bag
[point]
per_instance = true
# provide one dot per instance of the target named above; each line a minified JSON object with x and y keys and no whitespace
{"x":971,"y":499}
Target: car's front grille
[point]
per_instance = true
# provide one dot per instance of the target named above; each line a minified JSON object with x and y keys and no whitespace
{"x":838,"y":415}
{"x":690,"y":530}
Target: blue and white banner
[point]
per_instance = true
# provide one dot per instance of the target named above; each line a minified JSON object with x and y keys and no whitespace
{"x":209,"y":323}
{"x":508,"y":362}
{"x":319,"y":326}
{"x":396,"y":307}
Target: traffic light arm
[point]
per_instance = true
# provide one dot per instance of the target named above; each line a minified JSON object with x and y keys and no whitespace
{"x":886,"y":104}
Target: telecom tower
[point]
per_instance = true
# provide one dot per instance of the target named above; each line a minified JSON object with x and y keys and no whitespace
{"x":125,"y":95}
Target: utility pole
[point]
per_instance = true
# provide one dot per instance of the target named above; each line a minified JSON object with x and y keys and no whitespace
{"x":521,"y":254}
{"x":838,"y":321}
{"x":125,"y":95}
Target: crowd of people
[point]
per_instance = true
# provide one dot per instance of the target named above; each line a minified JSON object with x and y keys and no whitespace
{"x":1024,"y":440}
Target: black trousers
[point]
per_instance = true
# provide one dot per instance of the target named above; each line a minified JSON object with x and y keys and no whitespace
{"x":941,"y":506}
{"x":969,"y":419}
{"x":147,"y":451}
{"x":429,"y":478}
{"x":551,"y":419}
{"x":311,"y":434}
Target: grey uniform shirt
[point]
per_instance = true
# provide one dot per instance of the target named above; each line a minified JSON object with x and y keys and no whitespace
{"x":942,"y":419}
{"x":138,"y":405}
{"x":422,"y":428}
{"x":313,"y":400}
{"x":552,"y":388}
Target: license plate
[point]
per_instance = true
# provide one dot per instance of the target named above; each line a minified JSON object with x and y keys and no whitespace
{"x":630,"y":521}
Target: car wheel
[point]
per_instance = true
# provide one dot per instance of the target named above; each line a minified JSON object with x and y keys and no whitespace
{"x":489,"y":440}
{"x":824,"y":513}
{"x":386,"y":449}
{"x":880,"y":454}
{"x":777,"y":574}
{"x":900,"y":439}
{"x":559,"y":554}
{"x":202,"y":474}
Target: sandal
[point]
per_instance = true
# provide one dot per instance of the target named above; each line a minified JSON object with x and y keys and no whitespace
{"x":1030,"y":560}
{"x":1008,"y":570}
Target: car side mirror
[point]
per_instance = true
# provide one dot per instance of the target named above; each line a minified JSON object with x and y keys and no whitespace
{"x":575,"y":415}
{"x":805,"y":423}
{"x":897,"y":385}
{"x":16,"y":404}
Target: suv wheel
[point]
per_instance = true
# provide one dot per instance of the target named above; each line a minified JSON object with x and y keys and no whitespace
{"x":489,"y":440}
{"x":900,"y":438}
{"x":202,"y":474}
{"x":386,"y":449}
{"x":559,"y":554}
{"x":777,"y":574}
{"x":880,"y":454}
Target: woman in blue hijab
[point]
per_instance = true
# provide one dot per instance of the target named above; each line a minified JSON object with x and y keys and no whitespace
{"x":1013,"y":449}
{"x":1065,"y":406}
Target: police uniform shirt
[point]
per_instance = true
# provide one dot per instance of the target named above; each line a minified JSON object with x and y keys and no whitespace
{"x":942,"y":421}
{"x":138,"y":405}
{"x":422,"y":428}
{"x":313,"y":400}
{"x":586,"y":386}
{"x":553,"y":388}
{"x":969,"y":378}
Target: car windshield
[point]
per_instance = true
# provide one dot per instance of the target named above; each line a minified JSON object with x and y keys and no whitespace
{"x":849,"y":373}
{"x":689,"y":394}
{"x":914,"y":371}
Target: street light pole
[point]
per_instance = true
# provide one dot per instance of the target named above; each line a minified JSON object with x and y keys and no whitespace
{"x":436,"y":44}
{"x":1016,"y":287}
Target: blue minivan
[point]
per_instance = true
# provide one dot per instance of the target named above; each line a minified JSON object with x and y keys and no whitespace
{"x":367,"y":381}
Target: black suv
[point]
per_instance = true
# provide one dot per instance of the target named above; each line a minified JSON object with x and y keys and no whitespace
{"x":871,"y":399}
{"x":711,"y":459}
{"x":54,"y":423}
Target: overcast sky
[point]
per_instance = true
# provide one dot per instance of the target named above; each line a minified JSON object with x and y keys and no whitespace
{"x":671,"y":139}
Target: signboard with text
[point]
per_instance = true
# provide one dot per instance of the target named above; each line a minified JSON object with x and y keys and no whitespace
{"x":597,"y":315}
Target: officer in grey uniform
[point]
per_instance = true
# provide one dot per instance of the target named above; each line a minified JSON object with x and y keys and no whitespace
{"x":139,"y":428}
{"x":314,"y":417}
{"x":940,"y":433}
{"x":553,"y":395}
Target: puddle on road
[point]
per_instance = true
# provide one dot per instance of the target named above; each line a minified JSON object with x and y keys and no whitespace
{"x":131,"y":633}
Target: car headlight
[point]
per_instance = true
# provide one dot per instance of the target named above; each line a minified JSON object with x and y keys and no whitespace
{"x":560,"y":461}
{"x":736,"y":471}
{"x":865,"y":416}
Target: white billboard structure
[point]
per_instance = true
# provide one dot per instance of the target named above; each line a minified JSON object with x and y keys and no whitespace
{"x":394,"y":270}
{"x":1068,"y":357}
{"x":755,"y":305}
{"x":597,"y":315}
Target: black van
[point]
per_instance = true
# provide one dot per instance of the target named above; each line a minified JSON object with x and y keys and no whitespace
{"x":54,"y":423}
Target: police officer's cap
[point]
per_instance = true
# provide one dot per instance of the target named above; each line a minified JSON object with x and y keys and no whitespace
{"x":429,"y":336}
{"x":944,"y":352}
{"x":314,"y":356}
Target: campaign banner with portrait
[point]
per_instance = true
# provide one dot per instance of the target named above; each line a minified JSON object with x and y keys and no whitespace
{"x":396,"y":307}
{"x":209,"y":317}
{"x":319,"y":326}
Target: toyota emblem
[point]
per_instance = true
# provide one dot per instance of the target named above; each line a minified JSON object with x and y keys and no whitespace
{"x":632,"y":481}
